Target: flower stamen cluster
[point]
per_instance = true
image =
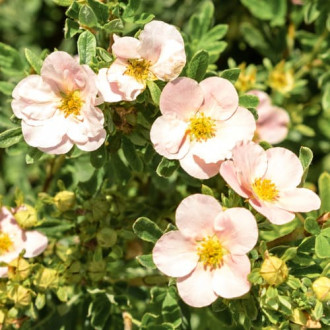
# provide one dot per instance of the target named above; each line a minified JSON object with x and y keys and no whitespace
{"x":201,"y":128}
{"x":71,"y":103}
{"x":265,"y":189}
{"x":139,"y":69}
{"x":210,"y":252}
{"x":6,"y":243}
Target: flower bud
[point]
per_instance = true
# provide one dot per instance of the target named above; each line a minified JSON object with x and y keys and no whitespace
{"x":96,"y":270}
{"x":46,"y":278}
{"x":65,"y":200}
{"x":26,"y":216}
{"x":321,"y":288}
{"x":274,"y":270}
{"x":20,"y":295}
{"x":18,"y":269}
{"x":106,"y":237}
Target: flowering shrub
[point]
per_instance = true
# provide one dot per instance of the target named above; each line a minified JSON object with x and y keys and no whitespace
{"x":139,"y":185}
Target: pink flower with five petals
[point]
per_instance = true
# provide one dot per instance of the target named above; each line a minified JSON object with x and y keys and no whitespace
{"x":13,"y":239}
{"x":269,"y":179}
{"x":200,"y":124}
{"x":58,"y":108}
{"x":157,"y":54}
{"x":208,"y":252}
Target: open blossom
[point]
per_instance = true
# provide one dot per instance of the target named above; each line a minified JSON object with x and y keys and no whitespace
{"x":200,"y":124}
{"x":269,"y":179}
{"x":13,"y":240}
{"x":272,"y":124}
{"x":208,"y":252}
{"x":157,"y":54}
{"x":58,"y":108}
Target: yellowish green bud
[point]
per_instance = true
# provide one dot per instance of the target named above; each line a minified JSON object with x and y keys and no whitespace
{"x":321,"y":288}
{"x":20,"y":296}
{"x":106,"y":237}
{"x":46,"y":278}
{"x":65,"y":200}
{"x":18,"y":269}
{"x":26,"y":216}
{"x":274,"y":270}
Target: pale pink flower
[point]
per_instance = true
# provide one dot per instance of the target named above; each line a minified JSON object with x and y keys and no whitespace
{"x":269,"y":180}
{"x":157,"y":54}
{"x":297,"y":2}
{"x":200,"y":124}
{"x":272,"y":124}
{"x":13,"y":239}
{"x":208,"y":252}
{"x":58,"y":108}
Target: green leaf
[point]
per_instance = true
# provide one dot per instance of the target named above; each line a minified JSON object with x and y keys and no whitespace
{"x":99,"y":310}
{"x":154,"y":91}
{"x":248,"y":101}
{"x":132,"y":157}
{"x":34,"y":60}
{"x":254,"y":113}
{"x":311,"y":226}
{"x":170,"y":309}
{"x":206,"y":190}
{"x":131,"y":8}
{"x":311,"y":12}
{"x":231,"y":74}
{"x":86,"y":47}
{"x":114,"y":26}
{"x":10,"y":137}
{"x":324,"y":190}
{"x":326,"y":99}
{"x":71,"y":28}
{"x":87,"y":16}
{"x":98,"y":157}
{"x":73,"y":10}
{"x":6,"y":87}
{"x":322,"y":245}
{"x":216,"y":33}
{"x":198,"y":65}
{"x":100,"y":10}
{"x":33,"y":155}
{"x":64,"y":3}
{"x":147,"y":230}
{"x":139,"y":19}
{"x":146,"y":261}
{"x":167,"y":167}
{"x":305,"y":157}
{"x":265,"y":145}
{"x":10,"y":60}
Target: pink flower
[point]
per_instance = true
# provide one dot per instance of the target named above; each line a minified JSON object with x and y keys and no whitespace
{"x":58,"y":108}
{"x":208,"y":252}
{"x":269,"y":180}
{"x":157,"y":54}
{"x":200,"y":124}
{"x":272,"y":124}
{"x":297,"y":2}
{"x":13,"y":240}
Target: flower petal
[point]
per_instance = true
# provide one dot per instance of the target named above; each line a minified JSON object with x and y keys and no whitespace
{"x":272,"y":212}
{"x":298,"y":200}
{"x":182,"y":96}
{"x":174,"y":254}
{"x":62,"y":148}
{"x":196,"y":214}
{"x":126,"y":47}
{"x":228,"y":172}
{"x":168,"y":135}
{"x":93,"y":143}
{"x":284,"y":168}
{"x":220,"y":98}
{"x":197,"y":168}
{"x":196,"y":288}
{"x":109,"y":90}
{"x":34,"y":244}
{"x":237,"y":230}
{"x":230,"y":280}
{"x":3,"y":272}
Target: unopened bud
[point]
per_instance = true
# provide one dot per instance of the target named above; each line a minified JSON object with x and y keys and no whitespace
{"x":18,"y":269}
{"x":274,"y":270}
{"x":321,"y":288}
{"x":65,"y":200}
{"x":20,"y":296}
{"x":26,"y":216}
{"x":106,"y":237}
{"x":46,"y":278}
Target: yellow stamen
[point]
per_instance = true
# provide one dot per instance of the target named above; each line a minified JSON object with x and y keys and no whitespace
{"x":71,"y":103}
{"x":6,"y":243}
{"x":140,"y":70}
{"x":201,"y":128}
{"x":265,"y":189}
{"x":210,"y":252}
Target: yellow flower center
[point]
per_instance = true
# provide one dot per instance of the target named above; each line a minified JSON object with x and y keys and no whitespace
{"x":5,"y":243}
{"x":210,"y":251}
{"x":201,"y":128}
{"x":281,"y":78}
{"x":139,"y":69}
{"x":71,"y":103}
{"x":265,"y":189}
